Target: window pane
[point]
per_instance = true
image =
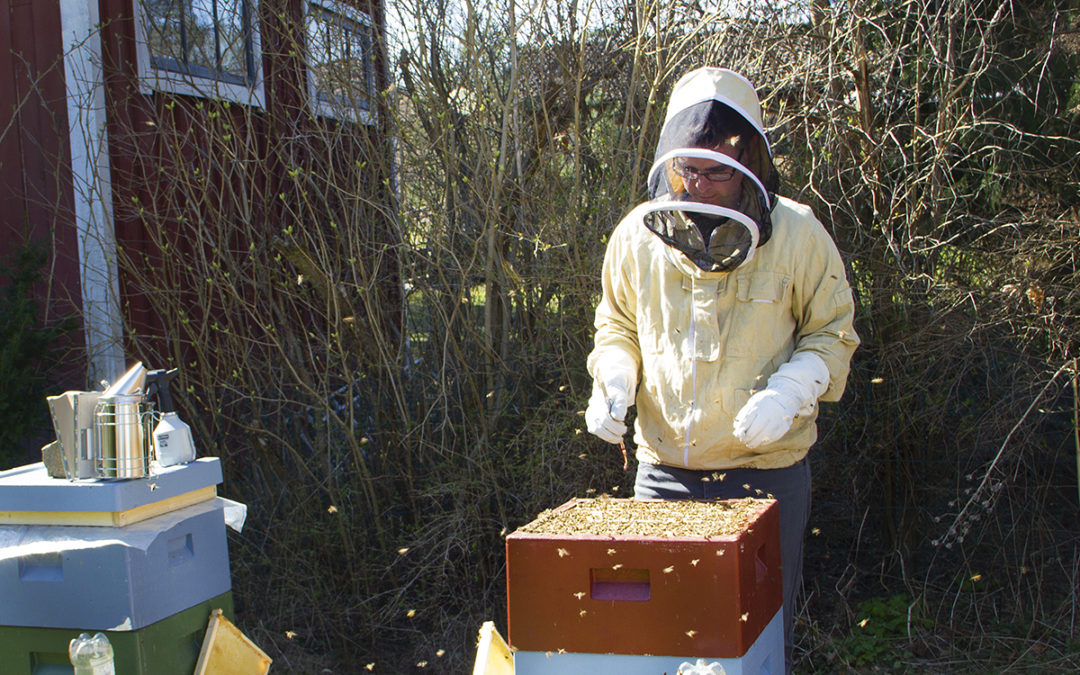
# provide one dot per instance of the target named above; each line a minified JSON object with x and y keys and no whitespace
{"x":163,"y":29}
{"x":200,"y":35}
{"x":202,"y":39}
{"x":335,"y":38}
{"x":318,"y":46}
{"x":339,"y":50}
{"x":365,"y":71}
{"x":359,"y":49}
{"x":317,"y":37}
{"x":234,"y":38}
{"x":340,"y":65}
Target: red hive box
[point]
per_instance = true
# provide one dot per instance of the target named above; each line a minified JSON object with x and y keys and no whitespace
{"x":707,"y":597}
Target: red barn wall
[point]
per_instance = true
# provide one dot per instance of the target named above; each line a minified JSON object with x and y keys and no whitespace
{"x":36,"y":200}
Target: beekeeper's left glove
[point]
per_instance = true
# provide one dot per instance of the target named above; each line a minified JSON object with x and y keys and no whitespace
{"x":792,"y":390}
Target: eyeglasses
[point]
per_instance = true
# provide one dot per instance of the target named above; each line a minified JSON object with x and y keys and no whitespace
{"x":715,"y":175}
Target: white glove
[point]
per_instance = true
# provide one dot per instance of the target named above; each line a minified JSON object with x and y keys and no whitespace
{"x":612,"y":395}
{"x":606,"y":412}
{"x":793,"y":390}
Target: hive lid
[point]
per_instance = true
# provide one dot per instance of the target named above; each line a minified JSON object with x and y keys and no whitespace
{"x":30,"y":488}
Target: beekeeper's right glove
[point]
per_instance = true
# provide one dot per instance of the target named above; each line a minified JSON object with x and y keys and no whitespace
{"x":612,"y":395}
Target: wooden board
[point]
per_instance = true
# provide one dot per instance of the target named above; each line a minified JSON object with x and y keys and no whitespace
{"x":493,"y":656}
{"x":227,"y":651}
{"x":109,"y":518}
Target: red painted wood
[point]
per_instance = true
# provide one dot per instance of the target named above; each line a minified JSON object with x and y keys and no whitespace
{"x":36,"y":201}
{"x":35,"y":85}
{"x":51,"y":199}
{"x":11,"y":181}
{"x":705,"y":597}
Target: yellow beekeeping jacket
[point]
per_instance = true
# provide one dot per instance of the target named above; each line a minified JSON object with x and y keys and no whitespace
{"x":703,"y":342}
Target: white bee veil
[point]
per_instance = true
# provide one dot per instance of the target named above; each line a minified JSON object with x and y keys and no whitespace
{"x":709,"y":107}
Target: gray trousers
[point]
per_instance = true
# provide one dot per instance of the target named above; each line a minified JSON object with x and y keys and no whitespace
{"x":790,"y":487}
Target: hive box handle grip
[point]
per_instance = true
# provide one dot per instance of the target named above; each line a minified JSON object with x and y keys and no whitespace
{"x":619,"y":585}
{"x":760,"y":566}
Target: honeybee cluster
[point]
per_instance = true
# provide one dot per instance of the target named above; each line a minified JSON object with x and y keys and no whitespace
{"x":606,"y":516}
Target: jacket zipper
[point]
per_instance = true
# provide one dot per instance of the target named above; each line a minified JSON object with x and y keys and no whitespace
{"x":693,"y":382}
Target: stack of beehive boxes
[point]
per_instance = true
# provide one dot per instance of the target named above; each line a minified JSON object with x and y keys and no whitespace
{"x":145,"y":561}
{"x":631,"y":604}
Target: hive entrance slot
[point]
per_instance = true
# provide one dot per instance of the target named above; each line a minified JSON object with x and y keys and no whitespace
{"x":619,"y":585}
{"x":760,"y":566}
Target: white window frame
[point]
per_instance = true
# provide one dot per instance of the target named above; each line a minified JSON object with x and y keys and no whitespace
{"x":340,"y":109}
{"x":153,"y":79}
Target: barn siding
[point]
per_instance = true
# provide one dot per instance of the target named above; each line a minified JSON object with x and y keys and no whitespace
{"x":36,"y":202}
{"x":279,"y":136}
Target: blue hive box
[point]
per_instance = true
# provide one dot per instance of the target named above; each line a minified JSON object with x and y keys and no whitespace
{"x":112,"y":578}
{"x":765,"y":655}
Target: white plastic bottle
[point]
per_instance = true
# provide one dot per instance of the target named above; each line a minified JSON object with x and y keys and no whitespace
{"x":91,"y":655}
{"x":172,"y":441}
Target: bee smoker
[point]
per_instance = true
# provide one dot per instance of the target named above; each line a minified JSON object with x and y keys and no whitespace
{"x":122,"y":424}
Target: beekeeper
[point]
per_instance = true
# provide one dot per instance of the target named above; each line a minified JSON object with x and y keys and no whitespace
{"x":726,"y":316}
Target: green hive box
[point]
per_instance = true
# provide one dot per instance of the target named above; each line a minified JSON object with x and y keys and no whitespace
{"x":167,"y":647}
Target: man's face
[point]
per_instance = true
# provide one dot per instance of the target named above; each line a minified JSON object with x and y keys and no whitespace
{"x":710,"y":182}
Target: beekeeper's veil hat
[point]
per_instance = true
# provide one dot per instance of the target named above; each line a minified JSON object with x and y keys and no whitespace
{"x":708,"y":108}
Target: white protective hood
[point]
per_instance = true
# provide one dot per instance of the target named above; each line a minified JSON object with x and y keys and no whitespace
{"x":706,"y":104}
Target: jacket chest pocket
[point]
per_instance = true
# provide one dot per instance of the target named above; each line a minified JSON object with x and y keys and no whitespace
{"x":761,"y":321}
